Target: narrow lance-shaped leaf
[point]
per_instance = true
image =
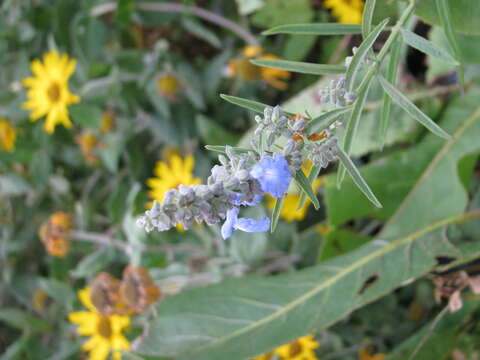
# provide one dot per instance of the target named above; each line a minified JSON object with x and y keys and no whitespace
{"x":351,"y":130}
{"x":359,"y":56}
{"x":357,"y":178}
{"x":387,"y":101}
{"x":302,"y":181}
{"x":276,"y":213}
{"x":367,"y":17}
{"x":315,"y":29}
{"x":427,"y":47}
{"x":322,"y":121}
{"x":312,"y":175}
{"x":411,"y":109}
{"x":221,"y":149}
{"x":255,"y":106}
{"x":444,"y":13}
{"x":301,"y":67}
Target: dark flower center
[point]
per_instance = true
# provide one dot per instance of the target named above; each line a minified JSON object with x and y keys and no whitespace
{"x":295,"y":349}
{"x":53,"y":92}
{"x":103,"y":327}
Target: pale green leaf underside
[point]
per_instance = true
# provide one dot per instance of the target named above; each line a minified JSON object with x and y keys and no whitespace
{"x":402,"y":101}
{"x":301,"y":67}
{"x":357,"y":178}
{"x":303,"y":183}
{"x":427,"y":47}
{"x":315,"y":29}
{"x":276,"y":213}
{"x":249,"y":104}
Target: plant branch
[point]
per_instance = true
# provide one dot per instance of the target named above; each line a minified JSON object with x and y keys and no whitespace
{"x":182,"y":9}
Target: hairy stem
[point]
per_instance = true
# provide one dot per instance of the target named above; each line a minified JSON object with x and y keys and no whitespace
{"x":182,"y":9}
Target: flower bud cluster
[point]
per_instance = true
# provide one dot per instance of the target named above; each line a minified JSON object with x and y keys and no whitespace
{"x":245,"y":176}
{"x":229,"y":185}
{"x":336,"y":94}
{"x":321,"y":154}
{"x":364,"y":62}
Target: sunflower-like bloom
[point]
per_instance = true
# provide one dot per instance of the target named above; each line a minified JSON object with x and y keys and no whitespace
{"x":244,"y":69}
{"x":346,"y":11}
{"x":170,"y":174}
{"x":8,"y":135}
{"x":301,"y":349}
{"x":290,"y":211}
{"x":106,"y":331}
{"x":48,"y":93}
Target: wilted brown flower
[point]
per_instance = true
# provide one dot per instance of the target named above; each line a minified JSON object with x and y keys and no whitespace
{"x":134,"y":293}
{"x":54,"y":234}
{"x":105,"y":295}
{"x":137,"y":289}
{"x":88,"y":143}
{"x":451,"y":285}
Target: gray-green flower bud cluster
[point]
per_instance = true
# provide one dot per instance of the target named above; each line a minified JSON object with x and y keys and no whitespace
{"x":336,"y":94}
{"x":321,"y":154}
{"x":229,"y":185}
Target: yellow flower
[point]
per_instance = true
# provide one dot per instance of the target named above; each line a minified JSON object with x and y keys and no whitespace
{"x":346,"y":11}
{"x":301,"y":349}
{"x":105,"y":331}
{"x":366,"y":353}
{"x":168,"y":86}
{"x":8,"y":135}
{"x":48,"y":93}
{"x":88,"y":142}
{"x":170,"y":174}
{"x":107,"y":122}
{"x":244,"y":69}
{"x":289,"y":210}
{"x":54,"y":234}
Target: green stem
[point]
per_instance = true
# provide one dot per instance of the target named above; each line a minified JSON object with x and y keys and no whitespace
{"x":388,"y":44}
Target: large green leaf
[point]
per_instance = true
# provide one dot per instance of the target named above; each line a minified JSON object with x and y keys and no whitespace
{"x":464,"y":14}
{"x":241,"y":318}
{"x":392,"y":177}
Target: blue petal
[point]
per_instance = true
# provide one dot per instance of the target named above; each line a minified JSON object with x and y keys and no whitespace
{"x":229,"y":224}
{"x":252,"y":225}
{"x":273,"y":175}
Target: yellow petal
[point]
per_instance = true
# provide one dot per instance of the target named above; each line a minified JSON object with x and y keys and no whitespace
{"x":100,"y":351}
{"x":84,"y":296}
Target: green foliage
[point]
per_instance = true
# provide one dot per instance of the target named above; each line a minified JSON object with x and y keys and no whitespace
{"x":343,"y":264}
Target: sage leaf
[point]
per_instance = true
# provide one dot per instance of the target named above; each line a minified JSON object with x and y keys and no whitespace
{"x":322,"y":121}
{"x":427,"y":47}
{"x":276,"y":213}
{"x":357,"y":177}
{"x":302,"y":181}
{"x":352,"y":128}
{"x":301,"y":67}
{"x":367,"y":17}
{"x":402,"y":101}
{"x":391,"y":76}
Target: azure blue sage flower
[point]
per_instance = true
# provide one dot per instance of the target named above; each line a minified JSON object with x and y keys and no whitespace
{"x":233,"y":222}
{"x":273,"y":175}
